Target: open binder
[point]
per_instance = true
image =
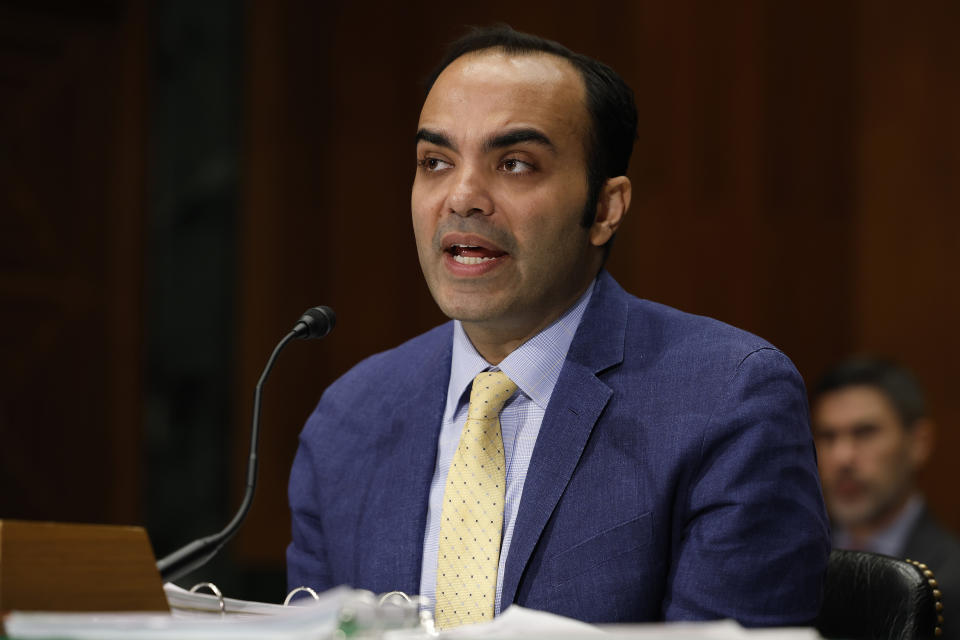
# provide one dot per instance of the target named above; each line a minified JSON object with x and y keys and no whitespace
{"x":82,"y":581}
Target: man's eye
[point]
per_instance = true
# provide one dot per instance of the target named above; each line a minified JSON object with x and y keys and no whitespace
{"x":517,"y":167}
{"x":433,"y":164}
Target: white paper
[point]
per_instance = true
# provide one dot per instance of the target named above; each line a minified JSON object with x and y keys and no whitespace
{"x":519,"y":622}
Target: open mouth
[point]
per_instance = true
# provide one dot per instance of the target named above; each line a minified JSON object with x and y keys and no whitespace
{"x":473,"y":254}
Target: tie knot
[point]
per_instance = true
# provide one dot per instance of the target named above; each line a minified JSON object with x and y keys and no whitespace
{"x":491,"y":389}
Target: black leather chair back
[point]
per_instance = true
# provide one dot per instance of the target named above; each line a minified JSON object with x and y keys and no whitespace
{"x":876,"y":597}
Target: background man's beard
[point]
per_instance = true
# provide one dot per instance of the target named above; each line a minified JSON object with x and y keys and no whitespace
{"x":869,"y":510}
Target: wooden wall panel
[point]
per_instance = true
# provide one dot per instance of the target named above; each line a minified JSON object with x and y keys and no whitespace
{"x":71,"y":204}
{"x":907,"y":270}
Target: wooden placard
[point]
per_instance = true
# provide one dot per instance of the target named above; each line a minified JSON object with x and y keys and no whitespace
{"x":47,"y":566}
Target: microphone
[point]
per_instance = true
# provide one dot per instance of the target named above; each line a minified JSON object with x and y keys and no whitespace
{"x":316,"y":322}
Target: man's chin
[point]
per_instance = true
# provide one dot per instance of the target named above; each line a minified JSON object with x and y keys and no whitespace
{"x":854,"y":514}
{"x":476,"y":311}
{"x":470,"y":304}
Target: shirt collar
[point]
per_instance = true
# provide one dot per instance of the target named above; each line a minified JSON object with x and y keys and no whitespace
{"x":534,"y":366}
{"x":891,"y":540}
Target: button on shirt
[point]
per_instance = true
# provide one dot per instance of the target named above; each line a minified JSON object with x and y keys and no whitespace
{"x":535,"y":367}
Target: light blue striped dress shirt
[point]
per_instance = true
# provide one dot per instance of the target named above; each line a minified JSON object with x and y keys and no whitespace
{"x":534,"y":366}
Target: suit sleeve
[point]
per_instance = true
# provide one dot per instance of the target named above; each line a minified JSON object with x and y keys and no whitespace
{"x":306,"y":555}
{"x":752,"y":539}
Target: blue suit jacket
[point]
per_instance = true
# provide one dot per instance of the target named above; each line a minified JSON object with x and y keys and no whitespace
{"x":674,"y":475}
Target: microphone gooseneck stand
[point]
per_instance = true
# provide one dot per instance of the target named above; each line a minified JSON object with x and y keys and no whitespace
{"x":316,"y":322}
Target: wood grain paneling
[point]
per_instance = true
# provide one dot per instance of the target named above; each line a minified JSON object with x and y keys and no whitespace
{"x":71,"y":197}
{"x":907,"y":268}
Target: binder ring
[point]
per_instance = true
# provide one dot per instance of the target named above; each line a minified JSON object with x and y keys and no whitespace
{"x":216,"y":592}
{"x":290,"y":595}
{"x":390,"y":594}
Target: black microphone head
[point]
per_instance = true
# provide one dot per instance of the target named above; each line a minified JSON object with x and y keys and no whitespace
{"x":315,"y":322}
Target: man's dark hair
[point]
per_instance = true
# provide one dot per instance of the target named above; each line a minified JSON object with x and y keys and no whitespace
{"x":613,"y":114}
{"x":895,"y":382}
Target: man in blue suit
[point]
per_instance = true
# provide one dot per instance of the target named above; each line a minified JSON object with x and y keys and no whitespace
{"x":658,"y":465}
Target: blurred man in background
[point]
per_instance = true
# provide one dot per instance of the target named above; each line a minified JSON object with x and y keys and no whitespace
{"x":873,"y":435}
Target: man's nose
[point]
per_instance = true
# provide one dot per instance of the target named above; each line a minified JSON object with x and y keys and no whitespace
{"x":470,"y":194}
{"x":844,"y":452}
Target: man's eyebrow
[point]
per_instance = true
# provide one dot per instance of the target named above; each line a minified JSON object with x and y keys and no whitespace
{"x":517,"y":136}
{"x":435,"y":137}
{"x":507,"y":139}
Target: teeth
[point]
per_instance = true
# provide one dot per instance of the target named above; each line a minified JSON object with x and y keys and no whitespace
{"x":466,"y":260}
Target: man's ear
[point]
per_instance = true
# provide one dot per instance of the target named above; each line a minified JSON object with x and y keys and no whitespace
{"x":922,"y":435}
{"x":612,"y":205}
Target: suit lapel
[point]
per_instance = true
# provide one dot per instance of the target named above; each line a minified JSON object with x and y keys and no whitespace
{"x":395,"y":514}
{"x":575,"y":406}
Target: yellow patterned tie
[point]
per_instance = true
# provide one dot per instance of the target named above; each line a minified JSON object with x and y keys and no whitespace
{"x":471,"y":521}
